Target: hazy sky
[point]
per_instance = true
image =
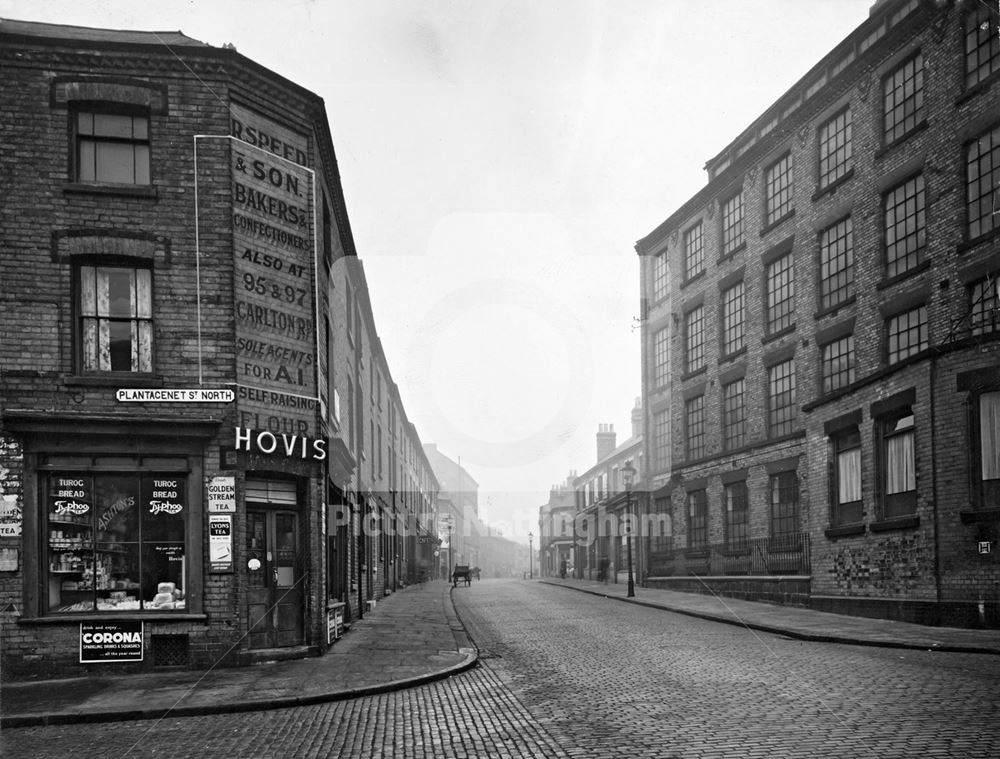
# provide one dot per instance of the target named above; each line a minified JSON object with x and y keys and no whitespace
{"x":500,"y":158}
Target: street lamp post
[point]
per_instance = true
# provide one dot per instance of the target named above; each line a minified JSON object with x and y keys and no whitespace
{"x":628,"y":472}
{"x":531,"y":569}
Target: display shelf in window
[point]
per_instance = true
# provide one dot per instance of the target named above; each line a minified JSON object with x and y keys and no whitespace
{"x":116,"y":542}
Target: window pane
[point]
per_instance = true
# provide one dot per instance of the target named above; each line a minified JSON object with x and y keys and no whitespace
{"x":116,"y":566}
{"x":141,"y":164}
{"x":120,"y":296}
{"x":732,"y":319}
{"x":661,"y":351}
{"x":781,"y":398}
{"x":904,"y":227}
{"x":85,"y":123}
{"x":900,"y":470}
{"x":694,"y":252}
{"x":732,"y":224}
{"x":143,"y":294}
{"x":694,"y":339}
{"x":982,"y":44}
{"x":989,"y":434}
{"x":780,"y":294}
{"x":983,"y":176}
{"x":835,"y":148}
{"x":903,"y":99}
{"x":164,"y":513}
{"x":115,"y":163}
{"x":88,"y":291}
{"x":784,"y":504}
{"x":112,"y":125}
{"x":694,"y":412}
{"x":87,"y":161}
{"x":907,"y":334}
{"x":71,"y":543}
{"x":849,"y":476}
{"x":838,"y":364}
{"x":91,"y":345}
{"x":119,"y":345}
{"x":837,"y":263}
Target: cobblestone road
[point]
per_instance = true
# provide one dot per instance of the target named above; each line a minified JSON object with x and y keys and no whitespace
{"x":566,"y":674}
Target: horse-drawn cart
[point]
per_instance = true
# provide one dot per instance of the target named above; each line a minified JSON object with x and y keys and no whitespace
{"x":463,"y":571}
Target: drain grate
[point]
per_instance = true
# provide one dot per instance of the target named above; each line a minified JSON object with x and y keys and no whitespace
{"x":170,"y":650}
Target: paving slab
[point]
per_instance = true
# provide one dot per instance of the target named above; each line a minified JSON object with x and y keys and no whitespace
{"x":411,"y":637}
{"x":798,"y":622}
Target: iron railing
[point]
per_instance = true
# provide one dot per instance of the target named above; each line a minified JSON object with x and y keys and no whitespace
{"x":779,"y":555}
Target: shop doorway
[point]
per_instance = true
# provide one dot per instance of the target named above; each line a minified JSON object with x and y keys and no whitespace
{"x":274,"y":576}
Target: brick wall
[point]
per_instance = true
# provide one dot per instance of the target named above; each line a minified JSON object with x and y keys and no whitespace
{"x":934,"y":557}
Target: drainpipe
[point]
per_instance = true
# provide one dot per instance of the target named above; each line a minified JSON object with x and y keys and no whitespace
{"x":359,"y":550}
{"x":934,"y":483}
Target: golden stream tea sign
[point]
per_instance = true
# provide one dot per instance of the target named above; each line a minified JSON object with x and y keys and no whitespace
{"x":274,"y":246}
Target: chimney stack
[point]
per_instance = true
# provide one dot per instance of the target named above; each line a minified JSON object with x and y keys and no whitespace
{"x":605,"y":440}
{"x":637,"y":418}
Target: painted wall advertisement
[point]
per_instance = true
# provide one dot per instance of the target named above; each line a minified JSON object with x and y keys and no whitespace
{"x":275,"y":259}
{"x":220,"y":543}
{"x":111,"y":641}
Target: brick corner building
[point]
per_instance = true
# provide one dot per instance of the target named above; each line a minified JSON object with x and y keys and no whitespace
{"x":203,"y":457}
{"x":821,"y":336}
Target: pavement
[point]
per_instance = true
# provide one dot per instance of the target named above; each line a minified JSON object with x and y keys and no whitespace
{"x":796,"y":622}
{"x":411,"y":637}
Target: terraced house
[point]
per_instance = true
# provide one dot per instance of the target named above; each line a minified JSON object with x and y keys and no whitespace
{"x":203,"y":456}
{"x":821,"y":335}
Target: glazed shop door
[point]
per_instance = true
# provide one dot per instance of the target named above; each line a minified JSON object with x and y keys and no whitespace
{"x":274,"y":587}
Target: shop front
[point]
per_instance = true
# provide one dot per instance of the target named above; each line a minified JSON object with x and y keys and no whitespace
{"x":112,"y":530}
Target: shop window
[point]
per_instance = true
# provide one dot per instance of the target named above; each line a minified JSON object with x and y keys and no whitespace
{"x":116,"y":542}
{"x":111,"y":148}
{"x":845,"y":480}
{"x":116,"y":319}
{"x":896,"y":461}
